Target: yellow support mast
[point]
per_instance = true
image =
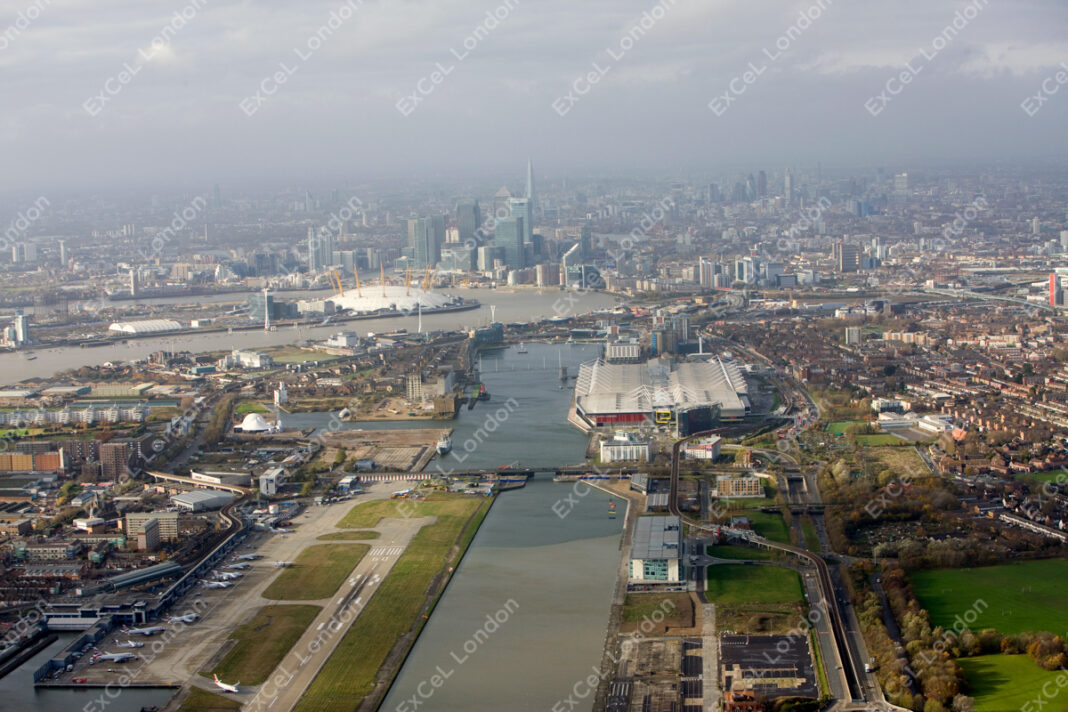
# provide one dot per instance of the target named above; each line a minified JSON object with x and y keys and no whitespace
{"x":356,"y":274}
{"x":408,"y":279}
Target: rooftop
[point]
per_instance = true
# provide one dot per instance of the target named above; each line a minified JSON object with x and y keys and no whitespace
{"x":656,"y":538}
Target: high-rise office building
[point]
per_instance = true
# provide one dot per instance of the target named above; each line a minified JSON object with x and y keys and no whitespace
{"x":1064,"y":240}
{"x":901,"y":184}
{"x":586,"y":242}
{"x":425,"y":237}
{"x":1036,"y":227}
{"x":1056,"y":294}
{"x":63,"y":256}
{"x":500,"y":203}
{"x":846,"y":256}
{"x":511,"y":241}
{"x":435,"y":227}
{"x":522,"y":208}
{"x":788,"y":188}
{"x":762,"y":184}
{"x":23,"y":253}
{"x":469,"y":221}
{"x":531,"y":194}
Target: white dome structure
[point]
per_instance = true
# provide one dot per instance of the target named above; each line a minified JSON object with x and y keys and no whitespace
{"x":254,"y":423}
{"x":390,"y":297}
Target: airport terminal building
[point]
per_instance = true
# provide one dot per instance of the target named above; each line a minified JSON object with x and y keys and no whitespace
{"x":695,"y":395}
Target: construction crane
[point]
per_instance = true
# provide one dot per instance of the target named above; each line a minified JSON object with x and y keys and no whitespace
{"x":356,"y":274}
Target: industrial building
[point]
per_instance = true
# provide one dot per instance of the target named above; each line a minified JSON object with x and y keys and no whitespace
{"x":202,"y":500}
{"x":746,"y":486}
{"x":693,"y":396}
{"x":624,"y":447}
{"x":655,"y":550}
{"x":271,"y":480}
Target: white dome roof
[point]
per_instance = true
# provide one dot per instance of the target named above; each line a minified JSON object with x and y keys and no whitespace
{"x":254,"y":423}
{"x":395,"y":297}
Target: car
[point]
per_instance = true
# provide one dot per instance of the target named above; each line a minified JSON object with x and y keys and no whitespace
{"x":79,"y":680}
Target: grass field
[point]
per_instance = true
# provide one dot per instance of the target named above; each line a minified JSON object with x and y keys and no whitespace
{"x":290,"y":354}
{"x":879,"y":440}
{"x":250,"y":407}
{"x":839,"y":427}
{"x":769,"y":526}
{"x":657,"y":609}
{"x":317,"y":572}
{"x":1058,"y":476}
{"x":737,"y":551}
{"x":263,"y":642}
{"x":1025,"y":596}
{"x":899,"y":459}
{"x":349,"y":536}
{"x":203,"y":701}
{"x":734,"y":584}
{"x":1006,"y":683}
{"x":395,"y":609}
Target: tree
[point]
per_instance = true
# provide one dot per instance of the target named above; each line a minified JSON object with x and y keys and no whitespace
{"x":307,"y":488}
{"x":963,"y":703}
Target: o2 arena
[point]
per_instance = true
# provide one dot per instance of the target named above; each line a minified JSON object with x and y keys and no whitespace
{"x":384,"y":298}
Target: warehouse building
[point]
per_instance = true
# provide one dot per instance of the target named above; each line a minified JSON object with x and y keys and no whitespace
{"x":202,"y":500}
{"x":624,"y":447}
{"x":655,"y":551}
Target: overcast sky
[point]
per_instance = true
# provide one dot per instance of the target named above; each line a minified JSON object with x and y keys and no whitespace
{"x":183,"y":116}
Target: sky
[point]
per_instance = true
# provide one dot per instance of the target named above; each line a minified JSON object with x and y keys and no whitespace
{"x":193,"y":92}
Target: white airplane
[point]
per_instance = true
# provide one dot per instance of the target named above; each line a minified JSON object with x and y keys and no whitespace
{"x":226,"y":575}
{"x":128,"y":644}
{"x":111,"y":657}
{"x":223,"y":686}
{"x":236,"y":567}
{"x":248,"y":557}
{"x":216,"y":584}
{"x":280,"y":531}
{"x":283,"y":564}
{"x":187,"y":618}
{"x":152,"y":630}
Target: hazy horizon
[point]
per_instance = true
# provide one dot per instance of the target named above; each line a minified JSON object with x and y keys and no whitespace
{"x":614,"y":88}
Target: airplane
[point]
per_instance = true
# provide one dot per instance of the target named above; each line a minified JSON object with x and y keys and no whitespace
{"x":216,"y":584}
{"x":280,"y":531}
{"x":248,"y":557}
{"x":237,"y":567}
{"x":152,"y":630}
{"x":187,"y":618}
{"x":283,"y":564}
{"x":226,"y":575}
{"x":223,"y":686}
{"x":128,"y":644}
{"x":111,"y":657}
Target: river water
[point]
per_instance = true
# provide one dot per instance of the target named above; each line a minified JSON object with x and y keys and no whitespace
{"x":18,"y":694}
{"x":505,"y":306}
{"x":545,"y":581}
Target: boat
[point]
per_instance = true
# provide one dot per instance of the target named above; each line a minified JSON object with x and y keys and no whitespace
{"x":521,"y":349}
{"x":445,"y":445}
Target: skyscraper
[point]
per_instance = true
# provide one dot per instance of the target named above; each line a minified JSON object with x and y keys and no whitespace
{"x":531,"y":195}
{"x":1056,"y":295}
{"x":468,"y":220}
{"x":425,"y":237}
{"x":846,"y":256}
{"x":510,"y":237}
{"x":63,"y":252}
{"x":762,"y":184}
{"x":315,"y":256}
{"x":586,"y":242}
{"x":788,"y":188}
{"x":521,"y":208}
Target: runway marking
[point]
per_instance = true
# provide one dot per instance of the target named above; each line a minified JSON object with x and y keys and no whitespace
{"x":386,"y":551}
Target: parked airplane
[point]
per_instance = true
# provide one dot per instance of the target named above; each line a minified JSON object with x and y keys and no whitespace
{"x":215,"y":584}
{"x":283,"y":564}
{"x":111,"y":657}
{"x":226,"y":575}
{"x":128,"y":644}
{"x":280,"y":531}
{"x":187,"y":618}
{"x":224,"y":687}
{"x":248,"y":557}
{"x":236,"y":567}
{"x":152,"y":630}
